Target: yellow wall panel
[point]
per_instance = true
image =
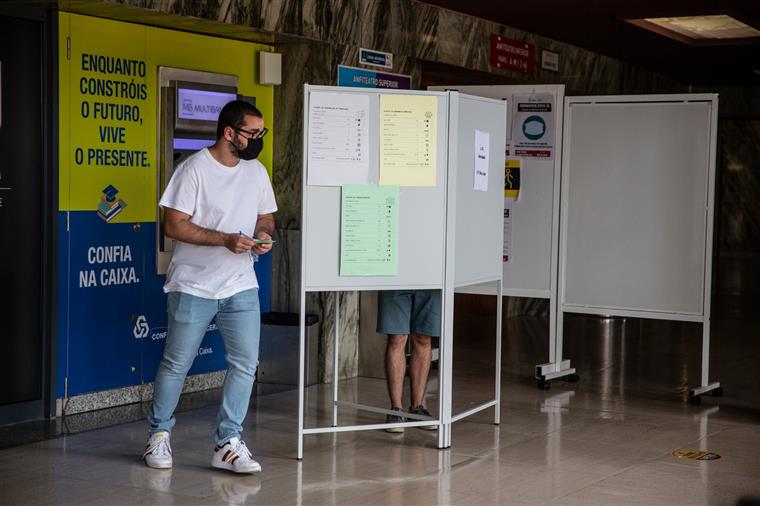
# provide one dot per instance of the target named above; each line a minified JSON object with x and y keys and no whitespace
{"x":108,"y":105}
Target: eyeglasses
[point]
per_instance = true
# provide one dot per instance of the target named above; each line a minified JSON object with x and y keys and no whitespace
{"x":252,"y":134}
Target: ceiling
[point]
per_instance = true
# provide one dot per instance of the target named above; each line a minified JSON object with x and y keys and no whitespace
{"x":598,"y":25}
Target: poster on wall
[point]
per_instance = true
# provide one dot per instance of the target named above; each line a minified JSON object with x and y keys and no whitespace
{"x":512,"y":168}
{"x":533,"y":126}
{"x":115,"y":308}
{"x":507,"y":248}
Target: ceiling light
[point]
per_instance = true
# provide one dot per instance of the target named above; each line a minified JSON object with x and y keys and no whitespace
{"x":700,"y":30}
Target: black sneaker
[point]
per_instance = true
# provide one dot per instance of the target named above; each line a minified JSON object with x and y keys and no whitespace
{"x":422,"y":411}
{"x":395,"y":419}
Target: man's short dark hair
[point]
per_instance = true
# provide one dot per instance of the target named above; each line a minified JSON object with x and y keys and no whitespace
{"x":233,"y":115}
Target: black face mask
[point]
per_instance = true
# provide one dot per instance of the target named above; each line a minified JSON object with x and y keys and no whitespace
{"x":251,"y":151}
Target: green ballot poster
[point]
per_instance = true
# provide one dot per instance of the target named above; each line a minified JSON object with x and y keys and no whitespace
{"x":369,"y":230}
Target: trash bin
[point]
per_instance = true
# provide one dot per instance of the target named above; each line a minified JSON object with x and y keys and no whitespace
{"x":278,"y":351}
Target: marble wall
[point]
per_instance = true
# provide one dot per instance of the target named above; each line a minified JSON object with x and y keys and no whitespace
{"x":315,"y":36}
{"x":738,"y":171}
{"x":738,"y":223}
{"x":413,"y":32}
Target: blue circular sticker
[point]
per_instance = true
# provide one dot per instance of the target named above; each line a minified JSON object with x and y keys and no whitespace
{"x":534,"y":127}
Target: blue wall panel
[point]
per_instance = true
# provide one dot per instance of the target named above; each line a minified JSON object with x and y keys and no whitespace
{"x":112,"y":308}
{"x":105,"y":295}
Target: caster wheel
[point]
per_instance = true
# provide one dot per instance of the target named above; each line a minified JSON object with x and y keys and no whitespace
{"x":572,"y":378}
{"x":718,"y":392}
{"x":695,"y":400}
{"x":543,"y":384}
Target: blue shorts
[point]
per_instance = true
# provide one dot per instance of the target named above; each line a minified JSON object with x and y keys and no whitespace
{"x":402,"y":312}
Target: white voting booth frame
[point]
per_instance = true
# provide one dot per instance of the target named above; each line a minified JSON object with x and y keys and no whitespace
{"x":532,"y":267}
{"x":669,"y":138}
{"x":429,"y":255}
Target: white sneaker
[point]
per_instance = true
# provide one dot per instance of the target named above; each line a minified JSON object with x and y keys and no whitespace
{"x":158,"y":452}
{"x":234,"y":456}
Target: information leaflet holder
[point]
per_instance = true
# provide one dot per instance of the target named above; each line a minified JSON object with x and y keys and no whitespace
{"x":531,"y":257}
{"x":638,"y":183}
{"x":424,"y":255}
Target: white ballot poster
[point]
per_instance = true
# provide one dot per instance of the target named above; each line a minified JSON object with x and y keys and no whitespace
{"x":533,"y":129}
{"x":338,"y":145}
{"x":482,"y":141}
{"x":507,"y":250}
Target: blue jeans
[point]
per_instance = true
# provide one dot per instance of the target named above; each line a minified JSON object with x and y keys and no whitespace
{"x":239,"y":320}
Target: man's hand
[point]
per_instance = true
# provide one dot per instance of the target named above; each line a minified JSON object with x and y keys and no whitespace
{"x":262,"y":248}
{"x":238,"y":243}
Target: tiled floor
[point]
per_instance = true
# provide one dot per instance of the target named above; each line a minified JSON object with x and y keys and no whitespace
{"x":606,"y":440}
{"x":562,"y":446}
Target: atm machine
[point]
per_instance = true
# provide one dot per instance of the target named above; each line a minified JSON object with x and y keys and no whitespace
{"x":189,"y":105}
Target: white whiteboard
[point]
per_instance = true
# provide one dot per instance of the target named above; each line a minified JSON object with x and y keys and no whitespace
{"x":422,"y":211}
{"x":531,"y":270}
{"x":637,"y":190}
{"x":477,"y":214}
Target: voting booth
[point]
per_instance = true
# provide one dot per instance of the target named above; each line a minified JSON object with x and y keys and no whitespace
{"x":633,"y":178}
{"x":399,"y":190}
{"x":530,"y":228}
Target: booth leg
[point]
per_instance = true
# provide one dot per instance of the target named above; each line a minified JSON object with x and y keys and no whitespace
{"x":336,"y":355}
{"x":558,"y":367}
{"x":695,"y":394}
{"x":499,"y":300}
{"x":446,"y":349}
{"x":444,"y":436}
{"x":301,"y":375}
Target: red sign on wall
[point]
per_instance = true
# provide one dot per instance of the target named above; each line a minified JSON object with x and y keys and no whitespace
{"x":512,"y":55}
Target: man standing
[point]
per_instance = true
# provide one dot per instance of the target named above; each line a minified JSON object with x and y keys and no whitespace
{"x":400,"y":313}
{"x":218,"y":207}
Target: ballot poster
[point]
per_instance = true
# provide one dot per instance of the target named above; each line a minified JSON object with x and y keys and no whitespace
{"x":533,"y":118}
{"x":408,"y":139}
{"x":369,"y":226}
{"x":338,"y":139}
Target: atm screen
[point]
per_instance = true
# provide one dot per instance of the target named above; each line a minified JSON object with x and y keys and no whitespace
{"x":182,"y":144}
{"x":201,"y":105}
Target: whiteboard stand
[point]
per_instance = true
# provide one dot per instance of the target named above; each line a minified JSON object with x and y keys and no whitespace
{"x":695,"y":394}
{"x":638,"y":184}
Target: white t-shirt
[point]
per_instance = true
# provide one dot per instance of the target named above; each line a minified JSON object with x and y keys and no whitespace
{"x":225,"y":199}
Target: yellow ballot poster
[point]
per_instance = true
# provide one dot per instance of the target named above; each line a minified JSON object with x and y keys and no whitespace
{"x":369,"y":230}
{"x":512,"y":178}
{"x":408,"y":135}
